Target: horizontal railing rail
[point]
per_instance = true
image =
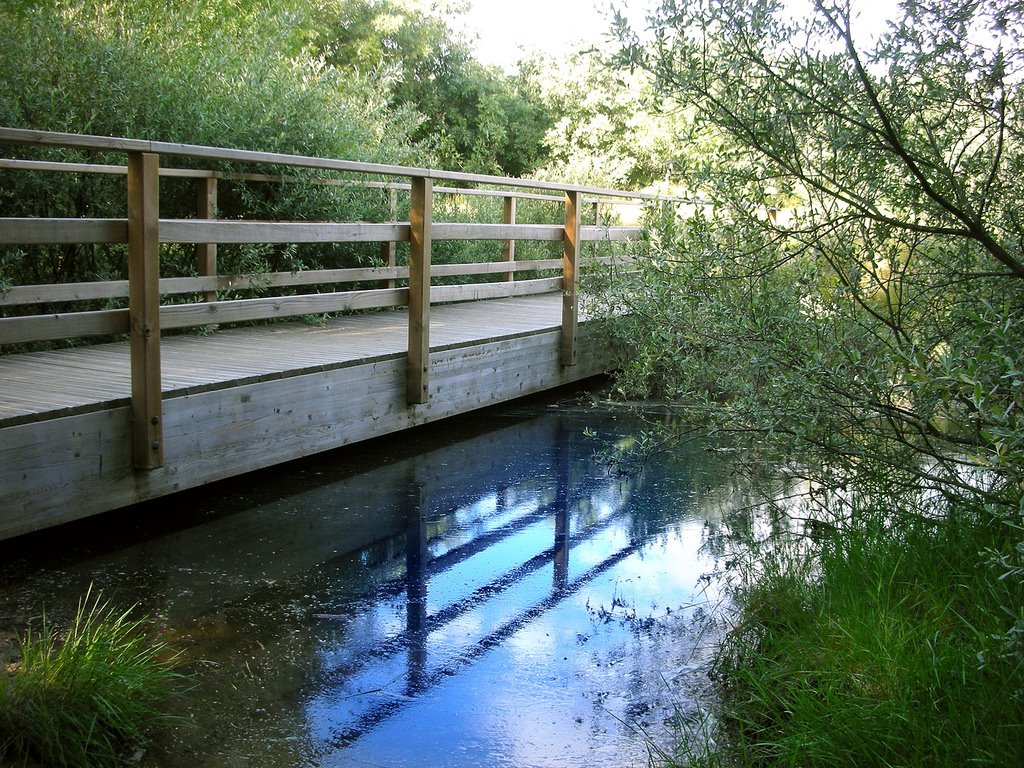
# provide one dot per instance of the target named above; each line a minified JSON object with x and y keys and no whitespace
{"x":128,"y":146}
{"x":199,"y":173}
{"x":144,"y":233}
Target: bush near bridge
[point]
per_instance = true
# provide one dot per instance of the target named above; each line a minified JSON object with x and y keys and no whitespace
{"x":289,"y":76}
{"x":852,"y":307}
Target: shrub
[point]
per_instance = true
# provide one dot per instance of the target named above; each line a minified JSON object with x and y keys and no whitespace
{"x":87,"y":696}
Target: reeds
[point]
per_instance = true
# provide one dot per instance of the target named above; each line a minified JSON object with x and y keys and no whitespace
{"x":889,"y":651}
{"x":86,"y":696}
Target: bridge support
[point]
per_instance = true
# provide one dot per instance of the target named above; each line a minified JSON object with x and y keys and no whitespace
{"x":508,"y":250}
{"x":421,"y":211}
{"x":570,"y":262}
{"x":144,"y":308}
{"x":206,"y":253}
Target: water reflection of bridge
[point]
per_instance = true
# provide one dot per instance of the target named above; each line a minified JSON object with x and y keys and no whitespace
{"x":493,"y":583}
{"x":338,"y":611}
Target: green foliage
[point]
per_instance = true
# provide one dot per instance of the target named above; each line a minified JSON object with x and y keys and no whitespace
{"x":226,"y":74}
{"x":851,"y":303}
{"x":87,"y":696}
{"x":605,"y":128}
{"x":877,"y":646}
{"x":478,"y":119}
{"x":854,"y":294}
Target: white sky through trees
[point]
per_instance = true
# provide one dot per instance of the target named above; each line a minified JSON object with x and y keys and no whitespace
{"x":509,"y":30}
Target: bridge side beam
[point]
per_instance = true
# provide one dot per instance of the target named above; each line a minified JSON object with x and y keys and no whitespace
{"x":420,"y":221}
{"x":144,"y":308}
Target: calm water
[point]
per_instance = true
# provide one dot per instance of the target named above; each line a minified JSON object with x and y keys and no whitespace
{"x":490,"y":591}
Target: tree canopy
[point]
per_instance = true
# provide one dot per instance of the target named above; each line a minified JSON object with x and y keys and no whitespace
{"x":475,"y":117}
{"x":865,"y":240}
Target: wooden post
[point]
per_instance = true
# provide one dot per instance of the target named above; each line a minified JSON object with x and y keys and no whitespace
{"x":206,"y":253}
{"x":570,"y":263}
{"x":144,"y":308}
{"x":389,"y":250}
{"x":509,"y":251}
{"x":420,"y":218}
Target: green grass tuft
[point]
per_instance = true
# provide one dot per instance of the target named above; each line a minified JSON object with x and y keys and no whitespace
{"x":87,"y":696}
{"x":890,"y":651}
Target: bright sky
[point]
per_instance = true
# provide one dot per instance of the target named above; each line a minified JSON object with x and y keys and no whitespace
{"x":512,"y":29}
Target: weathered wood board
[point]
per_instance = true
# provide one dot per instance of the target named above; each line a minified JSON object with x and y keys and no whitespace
{"x":60,"y":469}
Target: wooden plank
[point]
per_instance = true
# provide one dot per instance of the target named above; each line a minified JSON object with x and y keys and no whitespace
{"x":111,"y":143}
{"x":570,"y":264}
{"x":144,"y":308}
{"x":223,"y":231}
{"x":83,"y":377}
{"x":68,"y":325}
{"x":63,"y":292}
{"x":478,"y":291}
{"x":453,"y":231}
{"x":177,"y":285}
{"x":239,"y":310}
{"x":62,"y":469}
{"x":421,"y":214}
{"x":44,"y":231}
{"x":58,"y":292}
{"x":617,"y":234}
{"x":43,"y":165}
{"x":389,"y":250}
{"x":101,"y":143}
{"x":486,"y":268}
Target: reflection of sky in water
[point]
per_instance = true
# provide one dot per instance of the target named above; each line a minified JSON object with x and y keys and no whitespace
{"x":499,"y":599}
{"x":553,"y":692}
{"x":519,"y":654}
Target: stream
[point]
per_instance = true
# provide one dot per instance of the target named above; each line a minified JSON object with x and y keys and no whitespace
{"x":510,"y":588}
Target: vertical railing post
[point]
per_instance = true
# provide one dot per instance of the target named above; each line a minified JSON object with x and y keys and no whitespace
{"x":570,"y":264}
{"x":389,"y":250}
{"x":420,"y":219}
{"x":144,"y":308}
{"x":509,"y":250}
{"x":206,"y":253}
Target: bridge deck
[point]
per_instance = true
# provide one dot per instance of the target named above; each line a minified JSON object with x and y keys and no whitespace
{"x":45,"y":385}
{"x":245,"y":399}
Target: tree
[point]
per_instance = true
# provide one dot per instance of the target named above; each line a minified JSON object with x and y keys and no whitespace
{"x":231,"y":73}
{"x":600,"y":131}
{"x":857,"y":285}
{"x":477,"y":118}
{"x":850,"y":302}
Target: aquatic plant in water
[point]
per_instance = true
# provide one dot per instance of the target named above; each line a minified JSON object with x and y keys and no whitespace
{"x":86,"y":696}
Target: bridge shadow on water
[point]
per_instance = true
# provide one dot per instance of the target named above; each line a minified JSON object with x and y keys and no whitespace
{"x":489,"y":591}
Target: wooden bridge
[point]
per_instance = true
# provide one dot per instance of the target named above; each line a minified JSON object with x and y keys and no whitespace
{"x":151,"y":410}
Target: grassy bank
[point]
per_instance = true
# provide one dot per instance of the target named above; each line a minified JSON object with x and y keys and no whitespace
{"x":87,"y":695}
{"x":883,"y":643}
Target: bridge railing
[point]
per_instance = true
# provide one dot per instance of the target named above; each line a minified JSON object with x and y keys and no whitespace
{"x":144,"y":232}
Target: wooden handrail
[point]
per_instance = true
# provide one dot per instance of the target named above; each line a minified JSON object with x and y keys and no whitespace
{"x":200,"y":152}
{"x":192,"y":173}
{"x":58,"y":293}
